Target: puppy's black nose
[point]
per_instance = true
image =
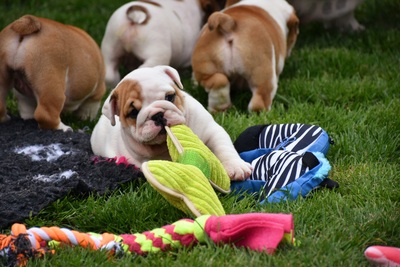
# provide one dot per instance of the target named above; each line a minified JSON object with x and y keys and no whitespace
{"x":159,"y":119}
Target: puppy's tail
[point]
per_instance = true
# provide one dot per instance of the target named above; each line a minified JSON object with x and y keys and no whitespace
{"x":221,"y":22}
{"x":137,"y":14}
{"x":26,"y":25}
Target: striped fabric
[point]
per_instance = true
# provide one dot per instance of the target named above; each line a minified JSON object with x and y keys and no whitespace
{"x":287,"y":160}
{"x":292,"y":137}
{"x":278,"y":169}
{"x":285,"y":163}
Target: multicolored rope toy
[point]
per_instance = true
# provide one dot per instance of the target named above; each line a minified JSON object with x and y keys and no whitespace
{"x":256,"y":231}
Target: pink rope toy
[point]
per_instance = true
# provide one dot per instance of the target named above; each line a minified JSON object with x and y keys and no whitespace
{"x":261,"y":232}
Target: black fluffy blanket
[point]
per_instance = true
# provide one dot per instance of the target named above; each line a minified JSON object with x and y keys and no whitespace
{"x":38,"y":167}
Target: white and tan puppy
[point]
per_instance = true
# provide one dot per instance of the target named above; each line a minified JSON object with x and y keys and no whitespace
{"x":147,"y":33}
{"x":250,"y":39}
{"x":332,"y":13}
{"x":140,"y":100}
{"x":53,"y":68}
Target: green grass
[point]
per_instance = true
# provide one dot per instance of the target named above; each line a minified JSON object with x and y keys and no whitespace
{"x":347,"y":83}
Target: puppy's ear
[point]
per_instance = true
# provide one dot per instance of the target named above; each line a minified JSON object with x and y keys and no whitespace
{"x":174,"y":75}
{"x":110,"y":107}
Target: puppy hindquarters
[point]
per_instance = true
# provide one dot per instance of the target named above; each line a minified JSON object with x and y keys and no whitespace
{"x":333,"y":14}
{"x":237,"y":51}
{"x":56,"y":78}
{"x":140,"y":35}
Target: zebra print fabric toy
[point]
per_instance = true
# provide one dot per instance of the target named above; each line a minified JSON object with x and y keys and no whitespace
{"x":289,"y":160}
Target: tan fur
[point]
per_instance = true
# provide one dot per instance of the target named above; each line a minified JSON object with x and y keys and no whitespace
{"x":128,"y":96}
{"x":124,"y":98}
{"x":26,"y":25}
{"x":53,"y":67}
{"x":242,"y":40}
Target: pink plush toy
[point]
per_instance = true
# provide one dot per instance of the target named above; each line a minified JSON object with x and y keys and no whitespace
{"x":383,"y":256}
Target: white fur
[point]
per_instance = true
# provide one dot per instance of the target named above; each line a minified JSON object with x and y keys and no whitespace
{"x":142,"y":142}
{"x":167,"y":38}
{"x":279,"y":10}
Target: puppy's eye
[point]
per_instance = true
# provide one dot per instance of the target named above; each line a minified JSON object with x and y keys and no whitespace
{"x":134,"y":113}
{"x":170,"y":97}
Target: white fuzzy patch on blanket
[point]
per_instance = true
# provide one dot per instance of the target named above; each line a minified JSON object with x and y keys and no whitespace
{"x":55,"y":177}
{"x":40,"y":152}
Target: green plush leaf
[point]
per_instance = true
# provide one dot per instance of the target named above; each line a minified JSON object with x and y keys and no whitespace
{"x":184,"y":186}
{"x":218,"y":177}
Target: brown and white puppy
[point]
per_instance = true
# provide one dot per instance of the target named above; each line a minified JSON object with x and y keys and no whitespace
{"x":147,"y":33}
{"x":53,"y":68}
{"x":140,"y":100}
{"x":250,"y":39}
{"x":332,"y":13}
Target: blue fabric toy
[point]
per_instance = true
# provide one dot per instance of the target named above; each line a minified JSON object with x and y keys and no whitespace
{"x":288,"y":160}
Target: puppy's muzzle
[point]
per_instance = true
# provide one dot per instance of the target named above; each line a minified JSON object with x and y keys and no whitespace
{"x":159,"y":119}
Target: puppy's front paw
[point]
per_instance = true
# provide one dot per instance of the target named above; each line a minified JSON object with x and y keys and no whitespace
{"x":64,"y":127}
{"x":237,"y":169}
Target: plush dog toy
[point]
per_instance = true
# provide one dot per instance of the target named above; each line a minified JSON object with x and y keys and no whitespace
{"x":288,"y":160}
{"x":187,"y":181}
{"x":383,"y":256}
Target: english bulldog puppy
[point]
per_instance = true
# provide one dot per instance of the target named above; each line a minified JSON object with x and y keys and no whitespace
{"x":53,"y":68}
{"x":130,"y":124}
{"x":147,"y":33}
{"x":332,"y":13}
{"x":250,"y":39}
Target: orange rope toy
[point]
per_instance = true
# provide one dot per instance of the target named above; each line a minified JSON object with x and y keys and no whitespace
{"x":257,"y":231}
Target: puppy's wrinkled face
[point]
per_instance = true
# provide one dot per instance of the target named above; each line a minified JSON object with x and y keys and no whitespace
{"x":146,"y":105}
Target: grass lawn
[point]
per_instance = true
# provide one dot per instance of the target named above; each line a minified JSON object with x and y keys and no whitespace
{"x":349,"y":84}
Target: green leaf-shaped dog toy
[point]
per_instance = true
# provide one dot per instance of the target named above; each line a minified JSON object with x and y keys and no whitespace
{"x":186,"y":182}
